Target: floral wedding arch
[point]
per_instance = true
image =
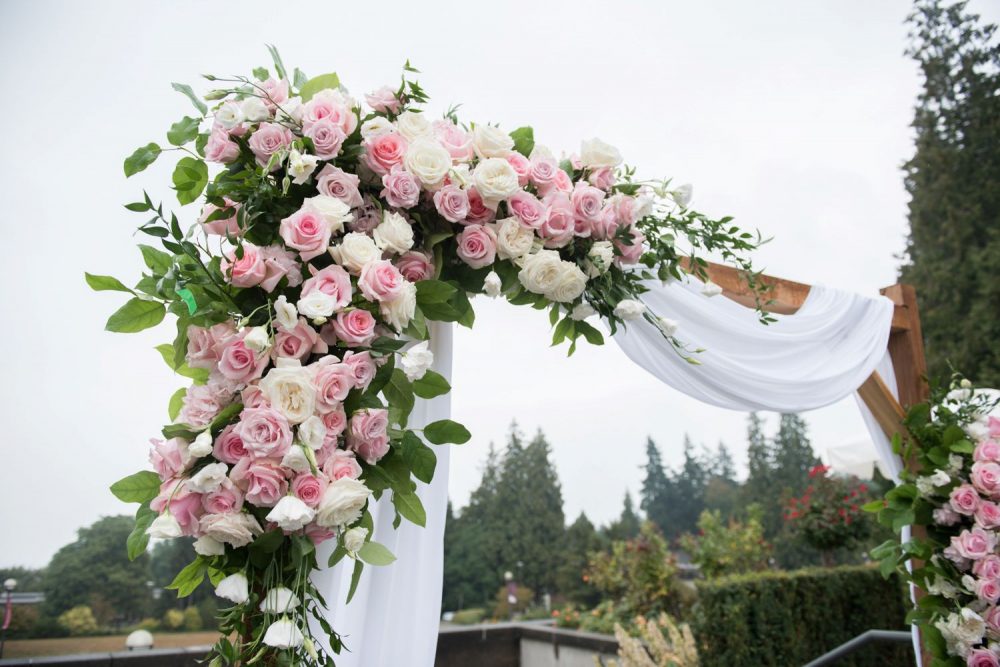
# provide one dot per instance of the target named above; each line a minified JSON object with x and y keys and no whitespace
{"x":331,"y":238}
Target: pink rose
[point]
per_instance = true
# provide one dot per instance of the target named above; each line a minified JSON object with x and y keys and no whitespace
{"x":526,"y":208}
{"x":988,"y":590}
{"x":987,"y":450}
{"x":306,"y":231}
{"x":559,"y":225}
{"x":543,"y":173}
{"x":363,"y":367}
{"x":945,"y":516}
{"x":986,"y":478}
{"x":265,"y":432}
{"x":228,"y":446}
{"x":366,"y":218}
{"x":522,"y":167}
{"x":988,"y":515}
{"x":279,"y":263}
{"x":974,"y":544}
{"x":455,"y":140}
{"x":384,"y":152}
{"x":202,"y":403}
{"x":298,"y":343}
{"x":239,"y":363}
{"x":452,"y":202}
{"x":479,"y":213}
{"x":276,"y":92}
{"x":202,"y":347}
{"x":987,"y":568}
{"x":220,"y":148}
{"x":477,"y":246}
{"x":253,"y":397}
{"x":992,"y":617}
{"x":168,"y":456}
{"x":334,"y":182}
{"x":327,"y":138}
{"x":415,"y":265}
{"x":588,"y":206}
{"x":328,"y":104}
{"x":563,"y":182}
{"x":308,"y":488}
{"x":964,"y":499}
{"x":982,"y":657}
{"x":630,"y":253}
{"x":993,"y":424}
{"x":224,"y":500}
{"x":184,"y":505}
{"x":354,"y":327}
{"x":603,"y":178}
{"x":340,"y":464}
{"x":333,"y":281}
{"x":333,"y":381}
{"x":380,"y":280}
{"x":335,"y":421}
{"x":224,"y":218}
{"x":401,"y":188}
{"x":367,"y":434}
{"x":383,"y":100}
{"x":246,"y":271}
{"x":262,"y":481}
{"x":268,"y":140}
{"x":606,"y":228}
{"x":319,"y":534}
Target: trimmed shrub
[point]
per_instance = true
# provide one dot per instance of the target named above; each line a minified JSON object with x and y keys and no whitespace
{"x":79,"y":621}
{"x":469,"y":616}
{"x":791,"y":618}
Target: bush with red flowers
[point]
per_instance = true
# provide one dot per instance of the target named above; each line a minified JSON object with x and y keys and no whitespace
{"x":829,"y":515}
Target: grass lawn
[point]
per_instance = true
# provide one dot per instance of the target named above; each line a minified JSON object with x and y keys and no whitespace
{"x":29,"y":648}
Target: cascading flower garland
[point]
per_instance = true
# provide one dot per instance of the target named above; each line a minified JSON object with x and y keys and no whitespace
{"x":331,"y":235}
{"x":953,"y":503}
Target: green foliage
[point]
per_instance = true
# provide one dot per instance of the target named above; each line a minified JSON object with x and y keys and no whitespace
{"x":639,"y":574}
{"x":192,"y":619}
{"x":828,"y":516}
{"x":140,"y":487}
{"x":581,"y":540}
{"x":775,"y":619}
{"x":627,"y":525}
{"x":469,"y":616}
{"x":137,"y":314}
{"x":79,"y":621}
{"x":190,"y":178}
{"x":720,"y":547}
{"x":316,"y":84}
{"x":141,"y":158}
{"x":524,"y":140}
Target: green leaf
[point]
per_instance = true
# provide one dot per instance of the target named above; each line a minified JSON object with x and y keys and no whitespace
{"x":105,"y":283}
{"x":166,"y":350}
{"x":269,"y":542}
{"x":188,"y":298}
{"x":158,"y":261}
{"x":183,"y":131}
{"x":524,"y":140}
{"x":189,"y":578}
{"x":195,"y":100}
{"x":409,"y":505}
{"x":138,"y":540}
{"x":223,"y":419}
{"x":434,"y":291}
{"x":399,"y":393}
{"x":190,"y":178}
{"x":419,"y":457}
{"x":374,"y":553}
{"x":176,"y":403}
{"x":141,"y":487}
{"x":430,"y":385}
{"x":593,"y":336}
{"x":299,"y":78}
{"x":141,"y":158}
{"x":136,"y":315}
{"x":562,"y":329}
{"x":445,"y":431}
{"x":355,"y":578}
{"x":279,"y":66}
{"x":318,"y":83}
{"x":337,"y":555}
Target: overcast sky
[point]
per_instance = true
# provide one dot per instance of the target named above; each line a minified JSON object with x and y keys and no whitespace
{"x":791,"y":116}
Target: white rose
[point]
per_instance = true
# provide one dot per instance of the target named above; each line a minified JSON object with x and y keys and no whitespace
{"x":630,"y":309}
{"x":710,"y":289}
{"x":399,"y":311}
{"x":285,"y":313}
{"x":279,"y":600}
{"x":596,"y":154}
{"x":291,"y":514}
{"x":600,"y":257}
{"x":234,"y":588}
{"x":202,"y":445}
{"x":541,"y":152}
{"x":283,"y":634}
{"x":495,"y":180}
{"x":290,"y":390}
{"x":209,"y":478}
{"x":312,"y":433}
{"x":376,"y":127}
{"x":582,"y":311}
{"x":355,"y":250}
{"x":540,"y":271}
{"x":316,"y":304}
{"x":428,"y":161}
{"x":492,"y":285}
{"x":394,"y":234}
{"x":668,"y":326}
{"x":254,"y":110}
{"x":229,"y":115}
{"x":335,"y":212}
{"x":682,"y":195}
{"x":412,"y":125}
{"x":513,"y":239}
{"x":236,"y":528}
{"x":164,"y":526}
{"x":301,"y":166}
{"x":416,"y":360}
{"x":257,"y":339}
{"x":354,"y":539}
{"x":342,"y":503}
{"x":460,"y":175}
{"x":295,"y":459}
{"x":489,"y":141}
{"x":207,"y":546}
{"x":569,"y":284}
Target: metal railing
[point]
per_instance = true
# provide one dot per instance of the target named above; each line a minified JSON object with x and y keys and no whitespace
{"x":862,"y":640}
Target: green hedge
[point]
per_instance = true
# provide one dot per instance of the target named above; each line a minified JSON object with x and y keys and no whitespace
{"x":786,"y":619}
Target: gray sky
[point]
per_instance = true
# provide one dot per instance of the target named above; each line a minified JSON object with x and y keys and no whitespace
{"x":792,"y":116}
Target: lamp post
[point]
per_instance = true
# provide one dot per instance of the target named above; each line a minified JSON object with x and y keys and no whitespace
{"x":8,"y":586}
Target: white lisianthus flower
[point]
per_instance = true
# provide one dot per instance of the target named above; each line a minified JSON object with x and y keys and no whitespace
{"x":495,"y":180}
{"x":630,"y":309}
{"x":290,"y":390}
{"x":394,"y":234}
{"x":257,"y":339}
{"x":312,"y":433}
{"x":354,"y":539}
{"x":301,"y":166}
{"x":164,"y":526}
{"x":492,"y":285}
{"x":335,"y":212}
{"x":540,"y":271}
{"x":285,"y":313}
{"x":943,"y":587}
{"x":235,"y":528}
{"x":682,"y":195}
{"x":291,"y":514}
{"x":600,"y":256}
{"x":582,"y":311}
{"x":229,"y":115}
{"x":279,"y":600}
{"x":316,"y":304}
{"x":342,"y":503}
{"x":400,"y":310}
{"x":710,"y":289}
{"x":925,"y":487}
{"x":209,"y":546}
{"x":355,"y":250}
{"x":489,"y":142}
{"x":376,"y":127}
{"x":290,"y":110}
{"x":955,"y":464}
{"x":209,"y":478}
{"x":940,"y":478}
{"x":254,"y":110}
{"x":202,"y":445}
{"x":295,"y":459}
{"x":234,"y":588}
{"x":569,"y":284}
{"x":596,"y":154}
{"x":962,"y":631}
{"x":428,"y":161}
{"x":284,"y":634}
{"x":513,"y":239}
{"x":416,"y":361}
{"x":667,"y":325}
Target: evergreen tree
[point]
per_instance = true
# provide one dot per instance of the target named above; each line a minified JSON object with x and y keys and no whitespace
{"x":760,"y":460}
{"x":689,"y":490}
{"x":627,"y":525}
{"x":953,"y":180}
{"x":724,"y":467}
{"x":722,"y":492}
{"x":793,"y":455}
{"x":581,"y":540}
{"x":540,"y":530}
{"x":655,"y":497}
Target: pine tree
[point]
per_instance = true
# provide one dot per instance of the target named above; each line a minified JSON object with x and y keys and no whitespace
{"x":654,"y":499}
{"x":581,"y":540}
{"x":723,"y":492}
{"x":627,"y":525}
{"x":953,"y":180}
{"x":793,"y":455}
{"x":724,"y":466}
{"x":689,"y":484}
